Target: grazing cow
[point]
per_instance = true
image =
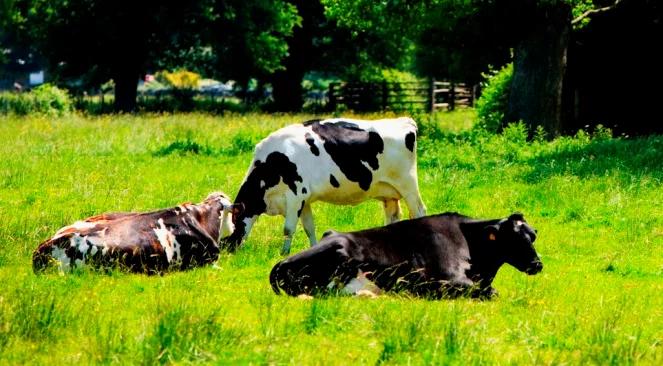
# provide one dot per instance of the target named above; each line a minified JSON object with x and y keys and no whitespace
{"x":175,"y":238}
{"x":340,"y":161}
{"x":437,"y":256}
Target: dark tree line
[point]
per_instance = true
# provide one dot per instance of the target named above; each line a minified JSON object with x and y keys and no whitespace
{"x":278,"y":41}
{"x":93,"y":41}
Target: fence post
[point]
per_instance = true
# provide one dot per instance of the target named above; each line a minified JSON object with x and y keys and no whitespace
{"x":431,"y":95}
{"x":474,"y":94}
{"x":385,"y":94}
{"x":332,"y":97}
{"x":452,"y":96}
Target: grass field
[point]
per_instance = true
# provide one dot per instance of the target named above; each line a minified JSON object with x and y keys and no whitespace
{"x":596,"y":201}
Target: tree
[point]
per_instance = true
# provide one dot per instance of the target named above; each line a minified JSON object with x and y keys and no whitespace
{"x":539,"y":66}
{"x":249,"y":38}
{"x":93,"y":40}
{"x":452,"y":33}
{"x":321,"y":45}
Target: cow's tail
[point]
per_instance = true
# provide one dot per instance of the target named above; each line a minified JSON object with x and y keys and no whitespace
{"x":274,"y":278}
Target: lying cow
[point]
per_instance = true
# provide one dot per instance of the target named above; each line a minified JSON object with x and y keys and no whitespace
{"x":437,"y":256}
{"x":339,"y":161}
{"x":153,"y":242}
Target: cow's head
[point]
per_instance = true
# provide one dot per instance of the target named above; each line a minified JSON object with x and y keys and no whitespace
{"x":515,"y":239}
{"x":227,"y":211}
{"x":251,"y":201}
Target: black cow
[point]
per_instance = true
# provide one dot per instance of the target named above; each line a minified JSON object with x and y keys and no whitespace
{"x":152,"y":242}
{"x":436,"y":256}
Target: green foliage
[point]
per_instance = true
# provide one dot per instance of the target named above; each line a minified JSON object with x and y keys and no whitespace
{"x":595,"y":200}
{"x":254,"y":38}
{"x":381,"y":31}
{"x":50,"y":99}
{"x":494,"y":101}
{"x":389,"y":75}
{"x":45,"y":99}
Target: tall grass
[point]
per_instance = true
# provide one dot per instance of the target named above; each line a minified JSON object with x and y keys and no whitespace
{"x":597,"y":202}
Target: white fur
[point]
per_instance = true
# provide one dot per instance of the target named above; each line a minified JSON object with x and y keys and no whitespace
{"x":168,"y":242}
{"x":61,"y":257}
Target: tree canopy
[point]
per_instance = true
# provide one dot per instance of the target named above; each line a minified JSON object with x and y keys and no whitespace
{"x":279,"y":41}
{"x":94,"y":40}
{"x":460,"y":39}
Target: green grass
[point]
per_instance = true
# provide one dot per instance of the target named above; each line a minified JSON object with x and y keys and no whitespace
{"x":597,"y":203}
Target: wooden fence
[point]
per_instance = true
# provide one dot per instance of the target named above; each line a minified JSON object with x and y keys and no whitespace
{"x":429,"y":95}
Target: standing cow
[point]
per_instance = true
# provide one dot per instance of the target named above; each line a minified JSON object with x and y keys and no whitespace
{"x":438,"y":256}
{"x":151,"y":242}
{"x":340,"y":161}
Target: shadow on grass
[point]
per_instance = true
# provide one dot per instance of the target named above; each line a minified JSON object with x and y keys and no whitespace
{"x":632,"y":158}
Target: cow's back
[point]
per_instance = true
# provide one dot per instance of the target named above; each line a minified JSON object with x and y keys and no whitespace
{"x":434,"y":243}
{"x":149,"y":242}
{"x":342,"y":161}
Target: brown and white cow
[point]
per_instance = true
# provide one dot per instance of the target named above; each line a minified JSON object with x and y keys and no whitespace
{"x":153,"y":242}
{"x":339,"y":161}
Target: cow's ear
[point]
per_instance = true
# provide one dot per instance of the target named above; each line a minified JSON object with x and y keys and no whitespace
{"x":517,"y":216}
{"x":328,"y":232}
{"x":491,"y":232}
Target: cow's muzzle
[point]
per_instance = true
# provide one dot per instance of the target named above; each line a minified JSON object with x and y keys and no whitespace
{"x":534,"y":268}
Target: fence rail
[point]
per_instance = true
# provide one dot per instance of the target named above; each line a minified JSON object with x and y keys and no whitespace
{"x":429,"y":95}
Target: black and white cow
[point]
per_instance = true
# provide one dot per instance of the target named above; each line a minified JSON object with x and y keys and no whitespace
{"x":437,"y":256}
{"x":175,"y":238}
{"x":340,"y":161}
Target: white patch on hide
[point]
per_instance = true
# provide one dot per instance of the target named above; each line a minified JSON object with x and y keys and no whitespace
{"x":166,"y":239}
{"x":60,"y":255}
{"x":248,"y":223}
{"x":80,"y":243}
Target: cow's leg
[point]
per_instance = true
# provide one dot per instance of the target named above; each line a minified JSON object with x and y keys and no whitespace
{"x":392,"y":210}
{"x":409,"y":190}
{"x":291,"y":218}
{"x":415,"y":205}
{"x":319,"y":269}
{"x":307,"y":222}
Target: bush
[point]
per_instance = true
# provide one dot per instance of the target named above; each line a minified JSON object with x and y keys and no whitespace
{"x":493,"y":103}
{"x":50,"y":99}
{"x":44,"y":99}
{"x":180,"y":79}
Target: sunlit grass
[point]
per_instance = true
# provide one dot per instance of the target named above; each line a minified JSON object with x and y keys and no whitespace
{"x":597,"y":203}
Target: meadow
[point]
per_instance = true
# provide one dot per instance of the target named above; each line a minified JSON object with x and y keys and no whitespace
{"x":596,"y":200}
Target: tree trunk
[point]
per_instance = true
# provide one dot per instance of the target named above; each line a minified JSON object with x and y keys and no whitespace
{"x":126,"y":88}
{"x":287,"y":90}
{"x":538,"y":71}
